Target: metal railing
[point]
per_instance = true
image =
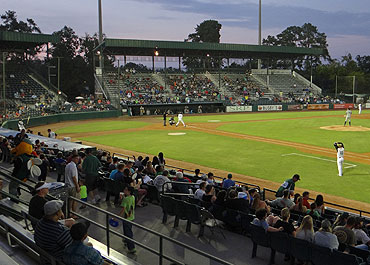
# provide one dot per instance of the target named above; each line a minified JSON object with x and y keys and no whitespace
{"x":184,"y":170}
{"x":333,"y":205}
{"x":161,"y":238}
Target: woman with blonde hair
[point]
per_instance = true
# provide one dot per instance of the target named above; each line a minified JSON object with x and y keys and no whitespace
{"x":259,"y":204}
{"x":305,"y":231}
{"x":299,"y":207}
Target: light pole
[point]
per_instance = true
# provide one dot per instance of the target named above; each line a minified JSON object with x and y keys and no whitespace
{"x":4,"y":85}
{"x":100,"y":32}
{"x":259,"y":29}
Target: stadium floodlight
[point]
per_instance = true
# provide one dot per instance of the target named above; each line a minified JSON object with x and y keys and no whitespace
{"x":259,"y":29}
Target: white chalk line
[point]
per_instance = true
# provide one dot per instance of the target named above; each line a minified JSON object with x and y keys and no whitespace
{"x":319,"y":158}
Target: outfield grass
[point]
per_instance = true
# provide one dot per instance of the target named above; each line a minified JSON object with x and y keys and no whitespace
{"x":307,"y":131}
{"x":247,"y":157}
{"x":264,"y":116}
{"x":101,"y":126}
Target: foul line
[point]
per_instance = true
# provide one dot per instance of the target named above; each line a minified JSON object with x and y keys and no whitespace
{"x":319,"y":158}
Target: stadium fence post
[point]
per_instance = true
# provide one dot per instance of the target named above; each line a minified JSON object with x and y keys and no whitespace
{"x":160,"y":250}
{"x":107,"y":232}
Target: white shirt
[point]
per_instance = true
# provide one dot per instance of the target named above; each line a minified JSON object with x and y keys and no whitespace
{"x":179,"y":116}
{"x":361,"y":236}
{"x":70,"y":172}
{"x":199,"y":194}
{"x":349,"y":113}
{"x":340,"y":152}
{"x":359,"y":106}
{"x":52,"y":134}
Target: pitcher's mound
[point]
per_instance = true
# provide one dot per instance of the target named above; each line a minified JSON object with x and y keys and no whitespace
{"x":342,"y":128}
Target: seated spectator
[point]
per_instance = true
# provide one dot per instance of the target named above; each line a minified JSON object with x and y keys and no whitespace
{"x":350,"y":238}
{"x":259,"y":204}
{"x":161,"y":159}
{"x":113,"y":165}
{"x":299,"y":207}
{"x":209,"y":196}
{"x":324,"y":236}
{"x":260,"y":220}
{"x":149,"y":170}
{"x":160,"y":180}
{"x":228,"y":182}
{"x":201,"y":191}
{"x":158,"y":170}
{"x":178,"y":187}
{"x":37,"y":202}
{"x":211,"y":179}
{"x":341,"y":220}
{"x":78,"y":253}
{"x":197,"y":174}
{"x":138,"y":161}
{"x":117,"y":174}
{"x":50,"y":234}
{"x":284,"y":222}
{"x":362,"y":238}
{"x":235,"y":203}
{"x":320,"y":204}
{"x":305,"y":231}
{"x":108,"y":162}
{"x":155,"y":161}
{"x":251,"y":193}
{"x":295,"y":198}
{"x":282,"y":202}
{"x":51,"y":134}
{"x":104,"y":157}
{"x":221,"y":198}
{"x":313,"y":212}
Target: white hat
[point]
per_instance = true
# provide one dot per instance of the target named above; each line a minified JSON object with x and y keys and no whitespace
{"x":179,"y":175}
{"x":44,"y":186}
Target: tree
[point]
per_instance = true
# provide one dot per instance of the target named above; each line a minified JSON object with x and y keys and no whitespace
{"x":10,"y":23}
{"x":306,"y":36}
{"x":207,"y":31}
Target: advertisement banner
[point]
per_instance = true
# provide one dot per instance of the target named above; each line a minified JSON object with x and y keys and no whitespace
{"x":367,"y":105}
{"x":270,"y":107}
{"x":295,"y":107}
{"x":344,"y":106}
{"x":238,"y":108}
{"x":318,"y":106}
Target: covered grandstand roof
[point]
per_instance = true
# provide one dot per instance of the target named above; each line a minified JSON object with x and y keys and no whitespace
{"x":224,"y":50}
{"x":21,"y":41}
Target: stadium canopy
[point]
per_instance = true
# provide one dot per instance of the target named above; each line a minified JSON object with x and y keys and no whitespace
{"x":195,"y":49}
{"x":11,"y":41}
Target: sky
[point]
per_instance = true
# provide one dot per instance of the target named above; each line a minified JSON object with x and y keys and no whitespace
{"x":346,"y":23}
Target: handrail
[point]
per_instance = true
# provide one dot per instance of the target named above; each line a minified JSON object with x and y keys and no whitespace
{"x":191,"y":171}
{"x":328,"y":203}
{"x":159,"y":253}
{"x":100,"y":86}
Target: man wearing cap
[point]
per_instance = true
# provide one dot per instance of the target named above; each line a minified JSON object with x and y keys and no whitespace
{"x":36,"y":206}
{"x":78,"y":253}
{"x":71,"y":179}
{"x":90,"y":167}
{"x":50,"y":234}
{"x":289,"y":185}
{"x":228,"y":182}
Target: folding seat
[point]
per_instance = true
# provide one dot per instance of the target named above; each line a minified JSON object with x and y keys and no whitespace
{"x":341,"y":258}
{"x":179,"y":211}
{"x":258,"y":237}
{"x":168,"y":205}
{"x":320,"y":255}
{"x":364,"y":254}
{"x":300,"y":249}
{"x":193,"y":216}
{"x":279,"y":242}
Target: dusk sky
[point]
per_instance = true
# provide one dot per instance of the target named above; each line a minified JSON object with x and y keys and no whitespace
{"x":346,"y":23}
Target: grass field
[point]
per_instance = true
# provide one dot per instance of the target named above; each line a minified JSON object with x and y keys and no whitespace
{"x":250,"y":157}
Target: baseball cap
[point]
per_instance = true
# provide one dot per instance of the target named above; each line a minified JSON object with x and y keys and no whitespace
{"x":42,"y":185}
{"x":296,"y":176}
{"x":51,"y":207}
{"x":242,"y":195}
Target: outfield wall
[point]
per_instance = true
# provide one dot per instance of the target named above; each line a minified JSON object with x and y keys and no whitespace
{"x":43,"y":120}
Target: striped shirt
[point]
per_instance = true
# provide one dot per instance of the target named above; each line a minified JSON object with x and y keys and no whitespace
{"x":52,"y":237}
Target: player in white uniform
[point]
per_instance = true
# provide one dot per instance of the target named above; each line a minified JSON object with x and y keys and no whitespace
{"x":340,"y":157}
{"x":359,"y":108}
{"x":348,"y":117}
{"x":179,"y":119}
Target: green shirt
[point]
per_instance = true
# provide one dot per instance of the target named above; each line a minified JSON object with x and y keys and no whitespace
{"x":83,"y":192}
{"x":91,"y":165}
{"x":129,"y":204}
{"x":289,"y":184}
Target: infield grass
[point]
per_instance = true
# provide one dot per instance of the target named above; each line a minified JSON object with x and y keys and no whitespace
{"x":101,"y":126}
{"x":247,"y":157}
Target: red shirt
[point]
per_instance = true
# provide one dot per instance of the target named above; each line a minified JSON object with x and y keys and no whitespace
{"x":306,"y":203}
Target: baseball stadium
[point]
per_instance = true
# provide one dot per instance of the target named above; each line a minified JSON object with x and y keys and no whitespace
{"x":140,"y":151}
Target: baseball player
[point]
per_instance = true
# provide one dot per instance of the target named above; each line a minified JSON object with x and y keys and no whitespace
{"x":348,"y":117}
{"x":179,"y":119}
{"x":340,"y":157}
{"x":359,"y":108}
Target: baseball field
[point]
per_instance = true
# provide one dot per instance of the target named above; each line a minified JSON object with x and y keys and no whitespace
{"x":262,"y":148}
